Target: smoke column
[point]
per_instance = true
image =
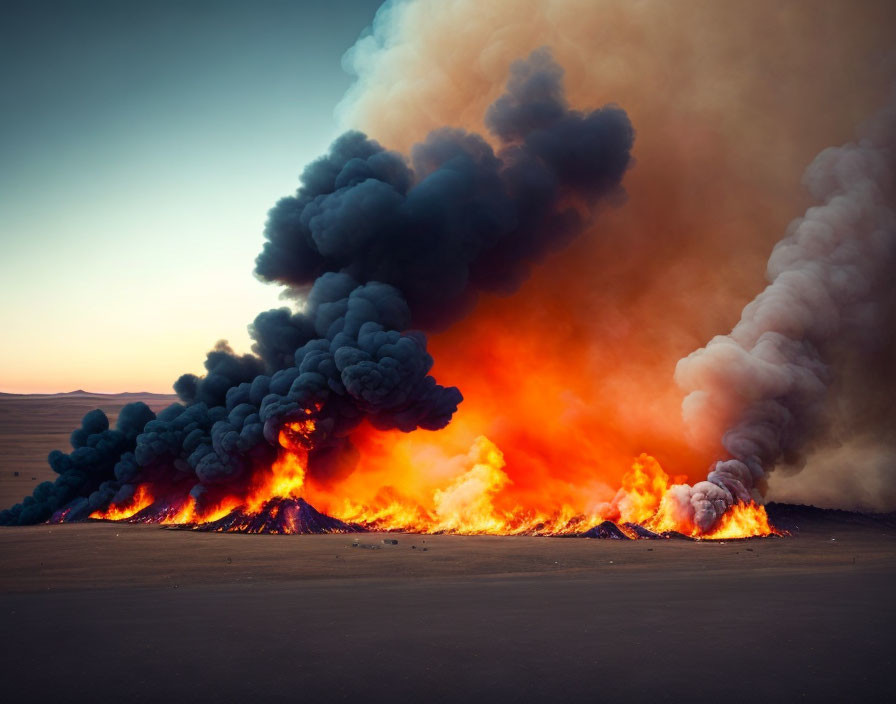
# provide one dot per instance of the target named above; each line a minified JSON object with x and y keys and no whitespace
{"x":830,"y":279}
{"x":375,"y":245}
{"x":571,"y":376}
{"x":731,"y":102}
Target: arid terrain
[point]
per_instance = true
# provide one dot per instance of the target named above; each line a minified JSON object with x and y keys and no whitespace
{"x":106,"y":612}
{"x":33,"y":425}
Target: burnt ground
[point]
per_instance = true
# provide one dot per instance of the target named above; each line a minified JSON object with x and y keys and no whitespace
{"x":104,"y":612}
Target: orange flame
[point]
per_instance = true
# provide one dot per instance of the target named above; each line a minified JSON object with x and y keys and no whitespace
{"x":287,"y":476}
{"x":285,"y":479}
{"x":470,"y":504}
{"x":478,"y":500}
{"x":742,"y":521}
{"x":641,"y":493}
{"x":473,"y":494}
{"x":191,"y":513}
{"x":139,"y":501}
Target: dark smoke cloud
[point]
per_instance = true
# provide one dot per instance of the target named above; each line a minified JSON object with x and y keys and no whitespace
{"x":88,"y":471}
{"x":225,"y":370}
{"x":466,"y":219}
{"x":376,"y":245}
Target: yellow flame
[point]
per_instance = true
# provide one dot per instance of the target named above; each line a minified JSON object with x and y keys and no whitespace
{"x":141,"y":499}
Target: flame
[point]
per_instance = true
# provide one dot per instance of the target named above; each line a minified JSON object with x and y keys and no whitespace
{"x":469,"y":494}
{"x":475,"y":502}
{"x":390,"y":511}
{"x":643,"y":488}
{"x":469,"y":504}
{"x":466,"y":505}
{"x":139,"y":501}
{"x":190,"y":512}
{"x":742,"y":521}
{"x":285,"y":479}
{"x":647,"y":497}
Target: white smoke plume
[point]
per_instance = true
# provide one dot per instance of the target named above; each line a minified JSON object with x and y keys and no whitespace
{"x":830,"y":282}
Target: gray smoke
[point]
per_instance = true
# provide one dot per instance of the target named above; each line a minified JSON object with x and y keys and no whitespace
{"x":830,"y":285}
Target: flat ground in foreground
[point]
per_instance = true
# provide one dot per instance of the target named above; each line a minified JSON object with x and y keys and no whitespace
{"x":101,"y":612}
{"x":104,"y":612}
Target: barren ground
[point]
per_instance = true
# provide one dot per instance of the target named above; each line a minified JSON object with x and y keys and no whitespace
{"x":32,"y":425}
{"x":108,"y":613}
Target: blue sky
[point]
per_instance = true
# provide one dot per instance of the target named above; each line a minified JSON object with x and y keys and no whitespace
{"x":141,"y":146}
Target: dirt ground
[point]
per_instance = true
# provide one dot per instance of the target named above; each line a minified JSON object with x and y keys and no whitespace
{"x":101,"y":612}
{"x":105,"y":612}
{"x":33,"y":425}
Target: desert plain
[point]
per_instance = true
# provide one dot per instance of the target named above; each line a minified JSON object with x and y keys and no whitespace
{"x":105,"y":612}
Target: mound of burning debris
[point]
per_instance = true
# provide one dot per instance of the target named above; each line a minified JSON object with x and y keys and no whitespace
{"x":278,"y":516}
{"x":627,"y":531}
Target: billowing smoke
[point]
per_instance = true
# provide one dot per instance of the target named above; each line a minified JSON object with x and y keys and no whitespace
{"x":460,"y":219}
{"x":86,"y":475}
{"x":571,"y":377}
{"x":830,"y":282}
{"x":375,"y":245}
{"x":731,"y":101}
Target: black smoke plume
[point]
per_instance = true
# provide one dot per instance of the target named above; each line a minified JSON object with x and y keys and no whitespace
{"x":376,"y":245}
{"x":87,"y":474}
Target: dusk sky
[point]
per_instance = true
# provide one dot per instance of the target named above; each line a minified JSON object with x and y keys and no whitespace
{"x":141,"y":146}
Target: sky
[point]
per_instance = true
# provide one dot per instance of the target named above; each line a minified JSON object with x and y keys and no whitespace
{"x":141,"y":146}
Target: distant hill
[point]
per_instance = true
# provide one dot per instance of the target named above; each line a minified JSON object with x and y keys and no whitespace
{"x":82,"y":393}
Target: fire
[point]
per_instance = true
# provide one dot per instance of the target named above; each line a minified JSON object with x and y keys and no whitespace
{"x":466,"y":505}
{"x":286,"y":480}
{"x":389,"y":511}
{"x":646,"y":498}
{"x":191,"y":513}
{"x":287,"y":475}
{"x":475,"y":501}
{"x":641,"y":493}
{"x":469,"y":504}
{"x":469,"y":494}
{"x":139,"y":501}
{"x":742,"y":521}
